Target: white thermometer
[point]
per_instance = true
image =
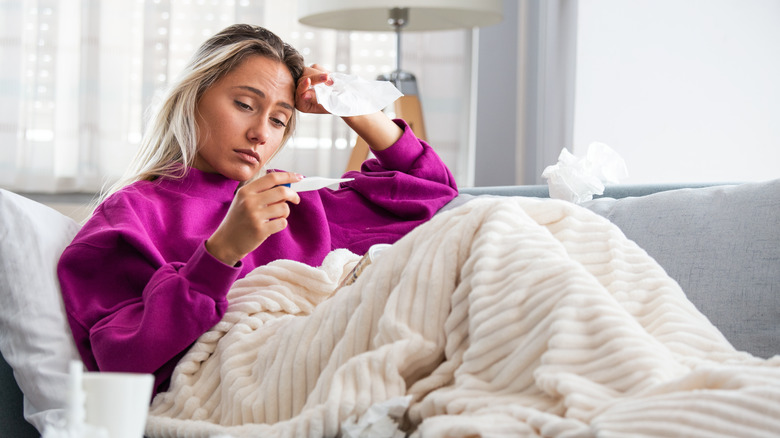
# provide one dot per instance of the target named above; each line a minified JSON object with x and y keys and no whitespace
{"x":315,"y":183}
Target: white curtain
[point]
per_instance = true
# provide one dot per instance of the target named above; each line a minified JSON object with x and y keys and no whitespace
{"x":548,"y":39}
{"x":78,"y":77}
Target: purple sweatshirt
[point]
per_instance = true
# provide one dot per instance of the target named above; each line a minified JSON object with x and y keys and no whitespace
{"x":139,"y":286}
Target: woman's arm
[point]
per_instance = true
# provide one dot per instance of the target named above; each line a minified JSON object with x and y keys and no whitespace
{"x":130,"y":305}
{"x":376,"y":129}
{"x":403,"y":186}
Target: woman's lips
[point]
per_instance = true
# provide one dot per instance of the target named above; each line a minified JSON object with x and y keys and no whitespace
{"x":248,"y":155}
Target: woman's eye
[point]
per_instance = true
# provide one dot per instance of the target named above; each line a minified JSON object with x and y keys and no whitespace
{"x":278,"y":122}
{"x":243,"y":106}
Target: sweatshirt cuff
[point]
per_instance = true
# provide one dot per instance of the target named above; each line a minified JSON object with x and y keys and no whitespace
{"x":208,"y":275}
{"x":403,"y":153}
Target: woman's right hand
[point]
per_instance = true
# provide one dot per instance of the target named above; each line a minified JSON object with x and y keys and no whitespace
{"x":258,"y":210}
{"x":305,"y":97}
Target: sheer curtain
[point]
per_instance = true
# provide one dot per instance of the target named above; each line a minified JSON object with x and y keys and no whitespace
{"x":78,"y":78}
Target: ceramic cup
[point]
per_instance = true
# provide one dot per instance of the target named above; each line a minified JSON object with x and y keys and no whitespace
{"x":117,"y":402}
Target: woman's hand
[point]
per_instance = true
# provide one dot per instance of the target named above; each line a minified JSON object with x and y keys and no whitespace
{"x":376,"y":129}
{"x":258,"y":210}
{"x":305,"y":97}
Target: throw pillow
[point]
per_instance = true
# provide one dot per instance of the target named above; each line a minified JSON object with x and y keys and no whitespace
{"x":35,"y":339}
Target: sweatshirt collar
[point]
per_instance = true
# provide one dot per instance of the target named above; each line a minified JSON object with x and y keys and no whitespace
{"x":202,"y":184}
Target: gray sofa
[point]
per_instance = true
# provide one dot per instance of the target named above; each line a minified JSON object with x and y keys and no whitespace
{"x":720,"y":242}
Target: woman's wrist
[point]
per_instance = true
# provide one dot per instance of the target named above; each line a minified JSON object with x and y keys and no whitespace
{"x":218,"y":253}
{"x":376,"y":129}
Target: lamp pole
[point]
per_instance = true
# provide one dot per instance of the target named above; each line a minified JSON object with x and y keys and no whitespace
{"x":408,"y":106}
{"x":399,"y":17}
{"x":404,"y":81}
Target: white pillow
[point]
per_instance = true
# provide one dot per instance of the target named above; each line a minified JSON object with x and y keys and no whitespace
{"x":35,"y":338}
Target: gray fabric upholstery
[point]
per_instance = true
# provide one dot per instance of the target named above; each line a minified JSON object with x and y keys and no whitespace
{"x":12,"y":423}
{"x":722,"y":245}
{"x":611,"y":191}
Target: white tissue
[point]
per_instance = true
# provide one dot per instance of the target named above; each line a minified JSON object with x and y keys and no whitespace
{"x":379,"y":421}
{"x":352,"y":96}
{"x":578,"y":179}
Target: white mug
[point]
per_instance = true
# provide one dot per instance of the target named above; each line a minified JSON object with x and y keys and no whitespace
{"x":117,"y":402}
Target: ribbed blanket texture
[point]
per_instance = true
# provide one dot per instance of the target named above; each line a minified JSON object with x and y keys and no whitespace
{"x":502,"y":317}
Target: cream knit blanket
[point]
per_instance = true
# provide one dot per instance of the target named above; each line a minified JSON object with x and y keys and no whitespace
{"x":502,"y":317}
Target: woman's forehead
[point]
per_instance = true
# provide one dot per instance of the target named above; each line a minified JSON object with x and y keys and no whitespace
{"x":266,"y":74}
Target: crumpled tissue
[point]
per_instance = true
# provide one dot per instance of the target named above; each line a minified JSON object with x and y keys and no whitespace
{"x":379,"y":421}
{"x":353,"y":96}
{"x":578,"y":179}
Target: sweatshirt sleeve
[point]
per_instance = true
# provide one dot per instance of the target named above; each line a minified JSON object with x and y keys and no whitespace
{"x":408,"y":179}
{"x":402,"y":187}
{"x":413,"y":156}
{"x":131,"y":310}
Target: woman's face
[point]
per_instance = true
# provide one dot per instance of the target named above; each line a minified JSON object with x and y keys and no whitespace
{"x":242,"y":117}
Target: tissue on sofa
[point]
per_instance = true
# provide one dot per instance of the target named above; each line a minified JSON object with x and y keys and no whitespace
{"x":578,"y":179}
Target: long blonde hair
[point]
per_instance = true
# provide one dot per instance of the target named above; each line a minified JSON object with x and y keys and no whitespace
{"x":169,"y":144}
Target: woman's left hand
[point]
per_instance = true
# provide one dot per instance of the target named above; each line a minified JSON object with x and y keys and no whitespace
{"x":376,"y":129}
{"x":305,"y":97}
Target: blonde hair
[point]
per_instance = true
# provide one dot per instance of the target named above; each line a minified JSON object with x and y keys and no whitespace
{"x":169,"y":144}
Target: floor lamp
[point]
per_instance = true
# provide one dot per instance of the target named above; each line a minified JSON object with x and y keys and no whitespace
{"x":398,"y":15}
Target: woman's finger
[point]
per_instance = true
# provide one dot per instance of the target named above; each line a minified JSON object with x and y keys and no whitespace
{"x":271,"y":180}
{"x":259,"y":209}
{"x":314,"y":76}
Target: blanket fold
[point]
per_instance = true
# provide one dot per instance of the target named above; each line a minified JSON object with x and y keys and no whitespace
{"x":502,"y":317}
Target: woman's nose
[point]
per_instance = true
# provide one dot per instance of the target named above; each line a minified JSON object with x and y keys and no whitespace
{"x":258,"y":132}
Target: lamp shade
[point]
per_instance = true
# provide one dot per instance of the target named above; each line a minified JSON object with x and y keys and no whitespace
{"x":372,"y":15}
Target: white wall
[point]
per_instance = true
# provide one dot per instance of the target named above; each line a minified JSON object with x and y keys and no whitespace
{"x":684,"y":90}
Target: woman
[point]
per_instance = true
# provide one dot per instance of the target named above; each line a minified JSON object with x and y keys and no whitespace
{"x":150,"y":271}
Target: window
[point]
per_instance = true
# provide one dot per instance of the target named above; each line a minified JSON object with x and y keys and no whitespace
{"x":85,"y":72}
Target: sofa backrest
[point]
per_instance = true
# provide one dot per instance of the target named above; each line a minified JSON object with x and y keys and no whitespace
{"x":721,"y":243}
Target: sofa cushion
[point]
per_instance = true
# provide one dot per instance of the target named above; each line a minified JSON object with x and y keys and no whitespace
{"x":722,"y":245}
{"x":35,"y":338}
